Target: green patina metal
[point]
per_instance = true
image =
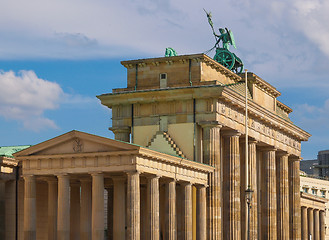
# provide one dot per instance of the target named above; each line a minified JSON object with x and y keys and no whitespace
{"x":170,"y":52}
{"x":8,"y":151}
{"x":223,"y":55}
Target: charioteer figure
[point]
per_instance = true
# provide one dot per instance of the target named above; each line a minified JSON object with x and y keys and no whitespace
{"x":223,"y":54}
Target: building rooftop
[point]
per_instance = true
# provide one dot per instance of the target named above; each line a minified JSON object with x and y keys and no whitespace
{"x":8,"y":151}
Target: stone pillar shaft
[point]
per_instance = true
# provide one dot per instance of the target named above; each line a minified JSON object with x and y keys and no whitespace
{"x":110,"y":213}
{"x":188,"y":226}
{"x":52,"y":209}
{"x":63,"y":211}
{"x":85,"y":210}
{"x":254,"y":186}
{"x":119,"y":208}
{"x":133,"y":208}
{"x":282,"y":196}
{"x":310,"y":217}
{"x":322,"y":225}
{"x":171,"y":227}
{"x":29,"y":208}
{"x":294,"y":199}
{"x":316,"y":224}
{"x":75,"y":212}
{"x":269,"y":203}
{"x":153,"y":207}
{"x":231,"y":187}
{"x":97,"y":212}
{"x":304,"y":224}
{"x":211,"y":155}
{"x":201,"y":213}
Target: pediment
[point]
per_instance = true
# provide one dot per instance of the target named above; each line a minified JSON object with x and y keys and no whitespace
{"x":76,"y":142}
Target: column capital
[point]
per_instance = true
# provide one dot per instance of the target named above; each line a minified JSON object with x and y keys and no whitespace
{"x":250,"y":140}
{"x":294,"y":158}
{"x":132,"y":172}
{"x":268,"y":148}
{"x":151,"y":176}
{"x":62,"y":175}
{"x":199,"y":186}
{"x":186,"y":183}
{"x":231,"y":133}
{"x":28,"y":177}
{"x":281,"y":153}
{"x":205,"y":124}
{"x":96,"y":173}
{"x":123,"y":129}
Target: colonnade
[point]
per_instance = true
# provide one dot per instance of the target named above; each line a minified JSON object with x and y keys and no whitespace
{"x":313,"y":223}
{"x":76,"y":208}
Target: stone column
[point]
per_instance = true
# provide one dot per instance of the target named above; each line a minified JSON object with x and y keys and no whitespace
{"x":282,"y":195}
{"x":119,"y":208}
{"x":85,"y":210}
{"x":254,"y":186}
{"x":211,"y":156}
{"x":52,"y":209}
{"x":322,"y":225}
{"x":29,"y":207}
{"x":201,"y":214}
{"x":153,"y":207}
{"x":133,"y":208}
{"x":269,"y":201}
{"x":231,"y":186}
{"x":75,"y":212}
{"x":316,"y":225}
{"x":63,"y":211}
{"x":110,"y":213}
{"x":97,"y":209}
{"x":294,"y":198}
{"x":171,"y":227}
{"x":188,"y":226}
{"x":304,"y":224}
{"x":310,"y":216}
{"x":122,"y":134}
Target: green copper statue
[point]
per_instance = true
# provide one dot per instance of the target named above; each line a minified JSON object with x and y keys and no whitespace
{"x":223,"y":54}
{"x":170,"y":52}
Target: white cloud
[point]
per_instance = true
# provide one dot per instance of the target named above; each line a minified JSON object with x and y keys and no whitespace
{"x":25,"y":97}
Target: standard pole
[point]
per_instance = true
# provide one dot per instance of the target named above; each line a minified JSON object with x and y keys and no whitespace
{"x":247,"y":152}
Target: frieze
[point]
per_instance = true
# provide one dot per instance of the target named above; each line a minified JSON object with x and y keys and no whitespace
{"x":257,"y":125}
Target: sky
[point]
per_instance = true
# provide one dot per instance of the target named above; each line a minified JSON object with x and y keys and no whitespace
{"x":56,"y":56}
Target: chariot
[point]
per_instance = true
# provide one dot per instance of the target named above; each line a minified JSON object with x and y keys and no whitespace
{"x":228,"y":60}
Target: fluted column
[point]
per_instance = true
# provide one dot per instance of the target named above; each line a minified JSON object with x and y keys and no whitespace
{"x":282,"y":195}
{"x":119,"y":208}
{"x":171,"y":226}
{"x":254,"y":186}
{"x":304,"y":224}
{"x":269,"y":201}
{"x":310,"y":217}
{"x":188,"y":226}
{"x":316,"y":224}
{"x":231,"y":186}
{"x":153,"y":207}
{"x":75,"y":212}
{"x":52,"y":209}
{"x":201,"y":216}
{"x":211,"y":156}
{"x":322,"y":225}
{"x":133,"y":208}
{"x":85,"y":210}
{"x":97,"y":210}
{"x":63,"y":211}
{"x":29,"y":207}
{"x":294,"y":198}
{"x":122,"y":134}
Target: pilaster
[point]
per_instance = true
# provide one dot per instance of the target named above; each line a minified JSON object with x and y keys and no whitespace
{"x":133,"y":208}
{"x":211,"y":156}
{"x":294,"y":198}
{"x":316,"y":224}
{"x":97,"y":212}
{"x":29,"y":207}
{"x":310,"y":216}
{"x":188,"y":226}
{"x":322,"y":225}
{"x":231,"y":186}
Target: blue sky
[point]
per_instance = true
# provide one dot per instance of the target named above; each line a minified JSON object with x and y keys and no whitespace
{"x":56,"y":56}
